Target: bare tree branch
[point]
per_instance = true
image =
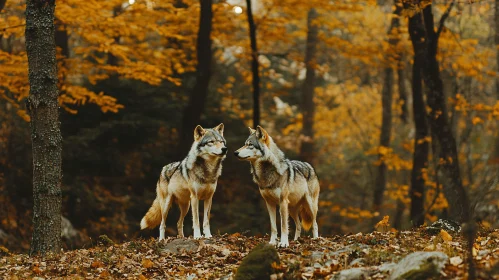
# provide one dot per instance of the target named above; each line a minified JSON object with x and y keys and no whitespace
{"x":443,"y":18}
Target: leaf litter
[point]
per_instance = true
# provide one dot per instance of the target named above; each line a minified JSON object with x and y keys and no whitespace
{"x":375,"y":254}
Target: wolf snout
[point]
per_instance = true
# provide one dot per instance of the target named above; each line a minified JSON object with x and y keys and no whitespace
{"x":224,"y":150}
{"x":236,"y":153}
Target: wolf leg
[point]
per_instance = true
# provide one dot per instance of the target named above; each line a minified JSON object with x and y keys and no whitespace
{"x":195,"y":215}
{"x":283,"y":209}
{"x":165,"y":207}
{"x":312,"y":204}
{"x":273,"y":227}
{"x":296,"y":218}
{"x":206,"y":218}
{"x":184,"y":208}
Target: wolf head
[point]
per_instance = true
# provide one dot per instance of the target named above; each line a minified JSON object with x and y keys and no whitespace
{"x":210,"y":141}
{"x":256,"y":146}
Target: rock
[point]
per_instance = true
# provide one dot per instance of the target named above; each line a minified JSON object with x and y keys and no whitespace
{"x":105,"y":240}
{"x":419,"y":265}
{"x":352,"y":274}
{"x":227,"y":277}
{"x":357,"y":262}
{"x":178,"y":246}
{"x":6,"y":238}
{"x":447,"y":225}
{"x":350,"y":249}
{"x":316,"y":256}
{"x":387,"y":267}
{"x":71,"y":237}
{"x":258,"y":263}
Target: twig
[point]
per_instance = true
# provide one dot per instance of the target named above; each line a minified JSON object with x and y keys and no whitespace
{"x":13,"y":26}
{"x":443,"y":18}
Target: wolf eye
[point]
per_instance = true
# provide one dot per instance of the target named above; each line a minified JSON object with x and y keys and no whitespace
{"x":210,"y":143}
{"x":250,"y":146}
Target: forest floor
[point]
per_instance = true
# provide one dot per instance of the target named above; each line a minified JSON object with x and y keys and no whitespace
{"x":356,"y":256}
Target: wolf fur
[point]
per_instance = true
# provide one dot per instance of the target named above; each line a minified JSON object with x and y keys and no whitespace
{"x":188,"y":181}
{"x":291,"y":184}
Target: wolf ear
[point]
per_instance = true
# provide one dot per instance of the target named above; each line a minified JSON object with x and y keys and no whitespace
{"x":220,"y":129}
{"x":198,"y":132}
{"x":251,"y":130}
{"x":261,"y":133}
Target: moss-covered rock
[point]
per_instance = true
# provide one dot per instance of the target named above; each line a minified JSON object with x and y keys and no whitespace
{"x":419,"y":265}
{"x":258,"y":263}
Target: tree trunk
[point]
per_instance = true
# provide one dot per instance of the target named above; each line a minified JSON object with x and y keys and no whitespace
{"x":2,"y":4}
{"x":61,"y":37}
{"x":46,"y":136}
{"x":402,"y":91}
{"x":421,"y":146}
{"x":439,"y":123}
{"x":496,"y":41}
{"x":399,"y":214}
{"x":254,"y":65}
{"x":308,"y":106}
{"x":386,"y":122}
{"x":62,"y":42}
{"x":197,"y":99}
{"x":111,"y":59}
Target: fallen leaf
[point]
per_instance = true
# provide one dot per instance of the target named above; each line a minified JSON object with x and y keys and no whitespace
{"x":456,"y":260}
{"x":445,"y":236}
{"x":37,"y":270}
{"x":383,"y":225}
{"x":104,"y":274}
{"x":97,"y":264}
{"x":147,"y":263}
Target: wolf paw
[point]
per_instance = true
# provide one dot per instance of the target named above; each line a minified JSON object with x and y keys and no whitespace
{"x":207,"y":235}
{"x":273,"y":242}
{"x":284,"y":244}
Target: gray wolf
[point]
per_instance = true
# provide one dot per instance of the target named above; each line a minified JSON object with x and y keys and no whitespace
{"x":291,"y":184}
{"x":188,"y":181}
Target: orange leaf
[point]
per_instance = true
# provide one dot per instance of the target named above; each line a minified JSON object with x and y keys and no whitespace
{"x":147,"y":263}
{"x":97,"y":264}
{"x":445,"y":236}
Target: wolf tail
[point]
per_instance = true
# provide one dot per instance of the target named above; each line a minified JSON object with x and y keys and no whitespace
{"x":306,"y":218}
{"x":308,"y":212}
{"x":153,"y":217}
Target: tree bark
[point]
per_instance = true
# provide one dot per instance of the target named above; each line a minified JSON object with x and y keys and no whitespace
{"x":254,"y":65}
{"x":111,"y":59}
{"x":2,"y":4}
{"x":399,"y":214}
{"x":197,"y":99}
{"x":308,"y":106}
{"x":402,"y":91}
{"x":386,"y":122}
{"x":496,"y":41}
{"x":421,"y":146}
{"x":439,"y":122}
{"x":62,"y":42}
{"x":42,"y":105}
{"x":62,"y":37}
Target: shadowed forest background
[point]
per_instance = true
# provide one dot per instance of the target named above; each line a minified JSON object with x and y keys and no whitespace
{"x":339,"y":84}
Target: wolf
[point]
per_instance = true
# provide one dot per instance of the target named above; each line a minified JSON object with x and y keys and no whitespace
{"x":188,"y":181}
{"x":291,"y":184}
